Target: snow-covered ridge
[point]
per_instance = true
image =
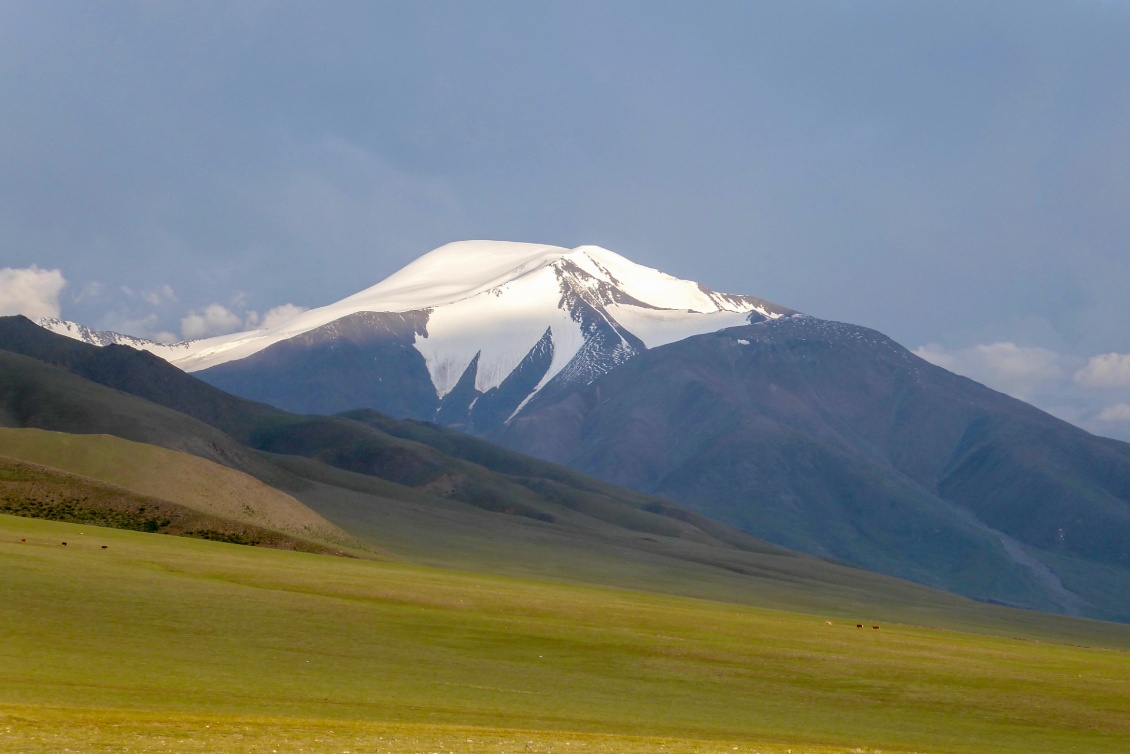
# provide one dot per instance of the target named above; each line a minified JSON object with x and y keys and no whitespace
{"x":105,"y":337}
{"x":496,"y":300}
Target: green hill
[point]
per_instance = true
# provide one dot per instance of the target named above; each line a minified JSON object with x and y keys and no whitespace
{"x":34,"y":491}
{"x":186,"y":480}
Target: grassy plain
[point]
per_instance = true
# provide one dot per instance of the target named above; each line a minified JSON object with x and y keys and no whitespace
{"x":162,"y":643}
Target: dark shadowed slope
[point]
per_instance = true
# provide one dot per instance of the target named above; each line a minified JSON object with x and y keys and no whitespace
{"x":364,"y":359}
{"x":833,"y":439}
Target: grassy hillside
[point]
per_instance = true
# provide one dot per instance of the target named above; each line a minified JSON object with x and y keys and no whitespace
{"x":180,"y":478}
{"x":190,"y":645}
{"x":35,"y":491}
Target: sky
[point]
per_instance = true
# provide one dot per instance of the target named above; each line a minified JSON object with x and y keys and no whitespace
{"x":953,"y":174}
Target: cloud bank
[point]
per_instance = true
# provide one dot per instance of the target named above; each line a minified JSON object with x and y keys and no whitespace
{"x":281,"y":314}
{"x":217,"y":319}
{"x":1108,"y":370}
{"x":1091,"y":393}
{"x":30,"y":291}
{"x":1119,"y":412}
{"x":1019,"y":371}
{"x":214,"y":319}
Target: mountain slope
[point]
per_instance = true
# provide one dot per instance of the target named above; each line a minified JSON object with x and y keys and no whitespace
{"x":833,"y":439}
{"x":163,"y":474}
{"x":35,"y":394}
{"x":33,"y":490}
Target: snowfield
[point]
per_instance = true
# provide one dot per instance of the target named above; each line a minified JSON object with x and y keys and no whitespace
{"x":497,"y":300}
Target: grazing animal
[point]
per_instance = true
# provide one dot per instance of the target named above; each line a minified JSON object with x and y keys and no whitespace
{"x":859,"y":625}
{"x":64,"y":544}
{"x":24,"y":541}
{"x":105,"y":547}
{"x":827,"y":623}
{"x":875,"y":627}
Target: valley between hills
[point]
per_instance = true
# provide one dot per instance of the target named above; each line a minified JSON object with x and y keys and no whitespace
{"x":756,"y":532}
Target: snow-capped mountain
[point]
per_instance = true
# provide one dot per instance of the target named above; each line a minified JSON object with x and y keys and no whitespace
{"x":107,"y":337}
{"x":816,"y":435}
{"x":478,"y":313}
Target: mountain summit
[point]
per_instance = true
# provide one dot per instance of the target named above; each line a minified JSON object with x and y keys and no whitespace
{"x":488,"y":322}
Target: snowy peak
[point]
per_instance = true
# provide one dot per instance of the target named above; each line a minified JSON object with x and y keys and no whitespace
{"x":104,"y":337}
{"x":489,"y":311}
{"x":460,"y":270}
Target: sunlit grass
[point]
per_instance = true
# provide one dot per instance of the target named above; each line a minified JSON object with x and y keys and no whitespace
{"x":146,"y":642}
{"x":55,"y":730}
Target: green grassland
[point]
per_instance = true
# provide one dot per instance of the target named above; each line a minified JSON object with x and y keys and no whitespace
{"x":164,"y":643}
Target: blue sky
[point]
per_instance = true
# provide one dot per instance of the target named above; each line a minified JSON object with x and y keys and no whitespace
{"x":954,"y":174}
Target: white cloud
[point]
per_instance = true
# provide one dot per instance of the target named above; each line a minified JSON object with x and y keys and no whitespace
{"x":159,"y":295}
{"x":1119,"y":412}
{"x":92,"y":290}
{"x":281,"y":314}
{"x":1108,"y":370}
{"x":127,"y":324}
{"x":1016,"y":370}
{"x":30,"y":291}
{"x":216,"y":319}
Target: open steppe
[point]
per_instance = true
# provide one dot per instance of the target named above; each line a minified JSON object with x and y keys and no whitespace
{"x":171,"y":644}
